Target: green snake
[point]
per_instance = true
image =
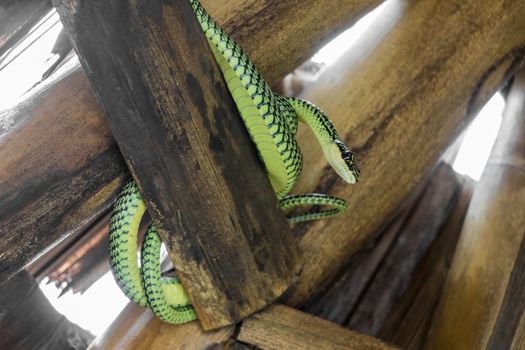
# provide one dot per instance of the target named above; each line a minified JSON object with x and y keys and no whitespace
{"x":272,"y":122}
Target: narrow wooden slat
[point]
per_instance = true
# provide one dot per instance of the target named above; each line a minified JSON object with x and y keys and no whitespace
{"x":281,"y":327}
{"x":483,"y":304}
{"x":76,"y":168}
{"x":53,"y":182}
{"x":29,"y":321}
{"x":399,"y":108}
{"x":188,"y":151}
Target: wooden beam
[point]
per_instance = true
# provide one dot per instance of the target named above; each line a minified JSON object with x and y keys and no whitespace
{"x":364,"y":297}
{"x":399,"y":108}
{"x":282,"y":327}
{"x":29,"y":321}
{"x":189,"y":152}
{"x":483,"y":304}
{"x":278,"y":327}
{"x":137,"y":328}
{"x":76,"y":168}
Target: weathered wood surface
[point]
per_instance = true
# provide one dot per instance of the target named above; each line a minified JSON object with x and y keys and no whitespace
{"x":279,"y":327}
{"x":408,"y":322}
{"x":76,"y":168}
{"x":52,"y":181}
{"x":483,"y":304}
{"x":420,"y":229}
{"x":29,"y":321}
{"x":17,"y":18}
{"x":138,"y":328}
{"x":188,"y":150}
{"x":364,"y":297}
{"x":398,"y":109}
{"x":282,"y":327}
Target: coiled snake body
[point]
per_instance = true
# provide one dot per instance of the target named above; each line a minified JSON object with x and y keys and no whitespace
{"x":272,"y":124}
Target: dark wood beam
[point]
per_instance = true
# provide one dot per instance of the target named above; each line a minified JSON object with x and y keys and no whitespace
{"x":278,"y":327}
{"x":399,"y":107}
{"x":188,"y":150}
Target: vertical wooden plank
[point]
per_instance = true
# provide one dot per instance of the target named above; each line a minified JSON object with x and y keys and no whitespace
{"x":187,"y":148}
{"x":137,"y":328}
{"x":76,"y":167}
{"x":483,"y":303}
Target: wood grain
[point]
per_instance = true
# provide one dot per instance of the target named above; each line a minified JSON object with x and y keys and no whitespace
{"x":281,"y":327}
{"x":138,"y":328}
{"x":29,"y":321}
{"x":408,"y":322}
{"x":59,"y":165}
{"x":188,"y":150}
{"x":483,"y":302}
{"x":391,"y":280}
{"x":399,"y":107}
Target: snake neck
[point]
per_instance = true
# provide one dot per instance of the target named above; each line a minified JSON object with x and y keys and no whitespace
{"x":269,"y":119}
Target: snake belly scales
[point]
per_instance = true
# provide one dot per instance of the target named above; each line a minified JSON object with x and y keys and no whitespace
{"x":272,"y":122}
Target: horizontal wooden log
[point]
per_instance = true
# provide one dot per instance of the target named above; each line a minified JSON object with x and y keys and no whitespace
{"x":189,"y":152}
{"x":399,"y":109}
{"x":17,"y":18}
{"x":278,"y":327}
{"x":76,"y":168}
{"x":483,"y":304}
{"x":282,"y":327}
{"x":29,"y":321}
{"x":138,"y":328}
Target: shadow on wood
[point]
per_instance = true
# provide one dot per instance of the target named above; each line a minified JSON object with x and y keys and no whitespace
{"x":483,"y":304}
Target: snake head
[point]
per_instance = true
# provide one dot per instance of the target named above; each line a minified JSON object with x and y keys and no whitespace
{"x":343,"y":162}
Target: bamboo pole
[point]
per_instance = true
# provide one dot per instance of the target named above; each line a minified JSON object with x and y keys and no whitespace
{"x":483,"y":304}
